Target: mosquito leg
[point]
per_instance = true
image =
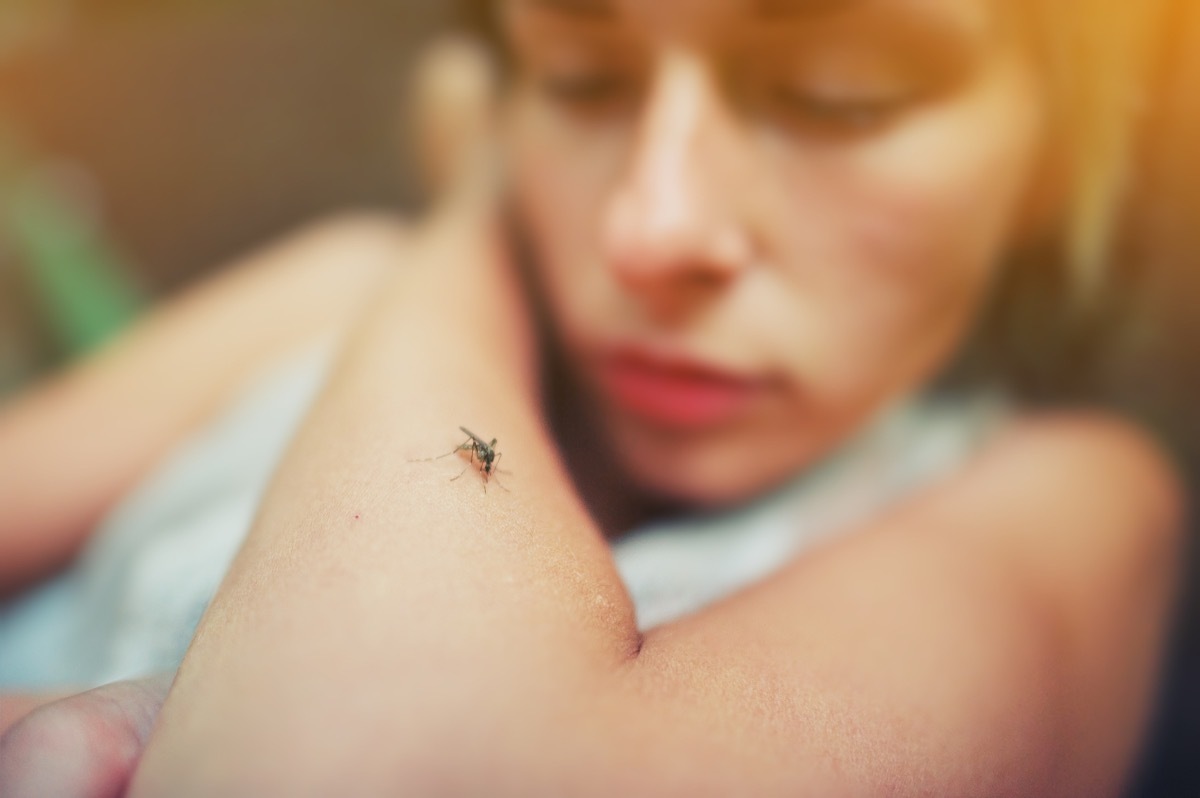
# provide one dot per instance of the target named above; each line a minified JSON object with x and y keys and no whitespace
{"x":432,"y":459}
{"x":460,"y":473}
{"x":495,"y":471}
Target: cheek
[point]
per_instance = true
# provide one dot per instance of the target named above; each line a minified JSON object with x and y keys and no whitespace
{"x":944,"y":192}
{"x":941,"y":206}
{"x":561,"y":176}
{"x":907,"y":236}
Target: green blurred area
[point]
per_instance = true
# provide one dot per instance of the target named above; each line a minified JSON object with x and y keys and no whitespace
{"x":200,"y":129}
{"x":67,"y":290}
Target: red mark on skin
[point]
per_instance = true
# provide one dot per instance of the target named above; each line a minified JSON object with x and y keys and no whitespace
{"x":357,"y":516}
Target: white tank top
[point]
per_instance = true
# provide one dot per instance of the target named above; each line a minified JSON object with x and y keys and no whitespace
{"x":130,"y":603}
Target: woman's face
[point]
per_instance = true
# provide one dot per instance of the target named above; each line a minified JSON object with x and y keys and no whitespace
{"x":759,"y":221}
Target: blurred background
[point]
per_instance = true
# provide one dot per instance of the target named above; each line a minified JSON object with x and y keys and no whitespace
{"x":145,"y":142}
{"x":142,"y":142}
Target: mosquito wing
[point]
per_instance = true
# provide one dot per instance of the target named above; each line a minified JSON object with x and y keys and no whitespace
{"x":478,"y":440}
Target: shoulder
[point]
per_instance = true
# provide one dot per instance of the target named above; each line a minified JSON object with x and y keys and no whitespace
{"x":1085,"y":502}
{"x":1096,"y":441}
{"x":1091,"y":461}
{"x":1089,"y":517}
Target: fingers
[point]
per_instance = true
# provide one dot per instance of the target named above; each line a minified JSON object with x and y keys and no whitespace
{"x":455,"y":121}
{"x":85,"y":746}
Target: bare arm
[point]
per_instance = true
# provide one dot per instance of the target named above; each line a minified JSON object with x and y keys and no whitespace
{"x":73,"y":445}
{"x":414,"y":635}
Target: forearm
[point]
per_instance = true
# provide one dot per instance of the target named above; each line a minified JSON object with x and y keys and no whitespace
{"x":449,"y":606}
{"x":70,"y":447}
{"x":389,"y":631}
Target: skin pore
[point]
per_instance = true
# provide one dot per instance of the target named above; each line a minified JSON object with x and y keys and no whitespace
{"x":809,"y":197}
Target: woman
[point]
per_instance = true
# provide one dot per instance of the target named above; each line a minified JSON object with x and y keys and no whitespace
{"x":754,"y":229}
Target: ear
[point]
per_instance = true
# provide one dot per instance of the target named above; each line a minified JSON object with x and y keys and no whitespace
{"x":454,"y":116}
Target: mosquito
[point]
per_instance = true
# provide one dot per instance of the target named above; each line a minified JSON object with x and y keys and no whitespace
{"x":484,"y":452}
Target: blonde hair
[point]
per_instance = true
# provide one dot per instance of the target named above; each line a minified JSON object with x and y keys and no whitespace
{"x":1098,"y":55}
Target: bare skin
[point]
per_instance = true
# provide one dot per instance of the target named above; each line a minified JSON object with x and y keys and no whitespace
{"x":182,"y":363}
{"x":995,"y":635}
{"x":1075,"y":637}
{"x":947,"y":648}
{"x":16,"y":706}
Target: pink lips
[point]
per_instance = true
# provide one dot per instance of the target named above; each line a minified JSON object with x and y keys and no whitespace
{"x":675,"y":392}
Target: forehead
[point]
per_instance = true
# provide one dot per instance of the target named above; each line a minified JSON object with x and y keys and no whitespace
{"x":704,"y":18}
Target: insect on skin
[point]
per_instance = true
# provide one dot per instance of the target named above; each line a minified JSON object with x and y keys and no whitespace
{"x":480,"y":450}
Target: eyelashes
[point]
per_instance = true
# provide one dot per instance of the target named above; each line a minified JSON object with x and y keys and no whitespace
{"x":852,"y":113}
{"x":600,"y":92}
{"x":590,"y":92}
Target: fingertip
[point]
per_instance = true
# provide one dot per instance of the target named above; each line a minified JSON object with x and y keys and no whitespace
{"x":84,"y":746}
{"x":58,"y":750}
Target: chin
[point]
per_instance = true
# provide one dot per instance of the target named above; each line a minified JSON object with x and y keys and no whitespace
{"x":704,"y":473}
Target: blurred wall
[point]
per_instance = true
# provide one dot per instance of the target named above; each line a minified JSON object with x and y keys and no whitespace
{"x":206,"y":127}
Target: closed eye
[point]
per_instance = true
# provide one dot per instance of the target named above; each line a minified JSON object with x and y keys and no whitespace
{"x":587,"y":90}
{"x":850,"y":114}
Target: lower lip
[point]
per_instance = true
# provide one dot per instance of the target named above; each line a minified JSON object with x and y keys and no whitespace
{"x":674,"y":399}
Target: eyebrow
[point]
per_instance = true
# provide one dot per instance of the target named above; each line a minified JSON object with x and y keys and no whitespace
{"x":598,"y":9}
{"x":603,"y":9}
{"x":926,"y":25}
{"x":774,"y":10}
{"x":791,"y":8}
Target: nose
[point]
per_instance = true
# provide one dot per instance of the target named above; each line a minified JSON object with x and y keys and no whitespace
{"x":673,"y":231}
